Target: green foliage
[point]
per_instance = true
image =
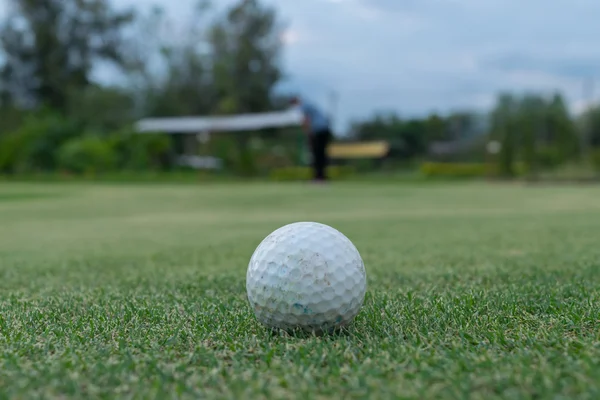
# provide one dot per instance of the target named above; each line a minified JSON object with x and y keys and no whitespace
{"x":305,"y":173}
{"x":242,"y":158}
{"x":252,"y":154}
{"x":436,"y":127}
{"x":11,"y":118}
{"x":549,"y":157}
{"x":224,"y":147}
{"x":407,"y":137}
{"x":269,"y":159}
{"x":101,"y":108}
{"x":504,"y":130}
{"x":465,"y":170}
{"x":13,"y":148}
{"x":246,"y":163}
{"x":595,"y":158}
{"x":245,"y":45}
{"x":224,"y":65}
{"x":412,"y":138}
{"x":137,"y":152}
{"x":535,"y":130}
{"x":456,"y":170}
{"x":46,"y":142}
{"x":590,"y":126}
{"x":50,"y":47}
{"x":32,"y":147}
{"x":561,"y":131}
{"x":226,"y":62}
{"x":529,"y":119}
{"x":87,"y":154}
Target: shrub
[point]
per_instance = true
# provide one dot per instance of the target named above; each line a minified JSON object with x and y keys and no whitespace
{"x":464,"y":170}
{"x":305,"y":173}
{"x":87,"y":154}
{"x":32,"y":147}
{"x":549,"y":157}
{"x":13,"y":151}
{"x":245,"y":164}
{"x":455,"y":170}
{"x":136,"y":152}
{"x":595,"y":156}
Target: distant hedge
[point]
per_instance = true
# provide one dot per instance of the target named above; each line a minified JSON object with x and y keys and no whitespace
{"x":305,"y":173}
{"x":463,"y":170}
{"x":596,"y":159}
{"x":47,"y":143}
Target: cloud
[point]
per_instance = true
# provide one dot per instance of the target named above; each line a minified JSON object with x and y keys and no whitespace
{"x":586,"y":65}
{"x":416,"y":56}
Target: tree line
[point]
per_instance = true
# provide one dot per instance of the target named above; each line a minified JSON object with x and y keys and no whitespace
{"x":533,"y":130}
{"x":56,"y":114}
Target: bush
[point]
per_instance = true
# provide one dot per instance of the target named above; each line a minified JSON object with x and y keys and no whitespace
{"x":13,"y":151}
{"x":135,"y":152}
{"x":456,"y":170}
{"x":87,"y":154}
{"x":549,"y":157}
{"x":245,"y":164}
{"x":306,"y":173}
{"x":464,"y":170}
{"x":595,"y":156}
{"x":33,"y":146}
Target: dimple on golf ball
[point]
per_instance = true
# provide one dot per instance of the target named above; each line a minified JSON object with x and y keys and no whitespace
{"x":306,"y":275}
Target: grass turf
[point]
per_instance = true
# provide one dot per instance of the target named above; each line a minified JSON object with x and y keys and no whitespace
{"x":129,"y":291}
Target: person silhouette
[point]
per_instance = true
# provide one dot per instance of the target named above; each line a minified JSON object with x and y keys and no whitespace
{"x":316,"y":126}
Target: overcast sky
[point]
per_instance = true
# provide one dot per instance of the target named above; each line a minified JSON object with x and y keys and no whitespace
{"x":416,"y":56}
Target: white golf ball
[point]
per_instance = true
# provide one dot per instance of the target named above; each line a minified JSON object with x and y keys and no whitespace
{"x":306,"y":275}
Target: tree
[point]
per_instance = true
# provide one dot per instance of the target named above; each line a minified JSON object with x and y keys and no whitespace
{"x":590,"y":131}
{"x":409,"y":138}
{"x":436,"y":128}
{"x":228,"y":66}
{"x":50,"y":47}
{"x":101,"y":108}
{"x":561,"y":130}
{"x":245,"y":45}
{"x":381,"y":126}
{"x":503,"y":118}
{"x":245,"y":49}
{"x":177,"y":81}
{"x":588,"y":125}
{"x":459,"y":125}
{"x":593,"y":116}
{"x":530,"y":127}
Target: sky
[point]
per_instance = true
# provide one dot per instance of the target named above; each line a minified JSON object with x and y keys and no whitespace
{"x":419,"y":56}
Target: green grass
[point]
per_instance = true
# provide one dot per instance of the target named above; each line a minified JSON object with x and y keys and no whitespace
{"x":138,"y":291}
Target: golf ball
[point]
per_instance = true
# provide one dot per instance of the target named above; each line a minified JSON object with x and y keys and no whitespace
{"x":306,"y":275}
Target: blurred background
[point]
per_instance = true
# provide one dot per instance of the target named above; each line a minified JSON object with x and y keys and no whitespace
{"x":412,"y":92}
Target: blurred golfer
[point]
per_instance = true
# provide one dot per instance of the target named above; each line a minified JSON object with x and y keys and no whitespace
{"x":316,"y":127}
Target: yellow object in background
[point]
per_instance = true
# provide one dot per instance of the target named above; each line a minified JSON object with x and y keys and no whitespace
{"x":375,"y":149}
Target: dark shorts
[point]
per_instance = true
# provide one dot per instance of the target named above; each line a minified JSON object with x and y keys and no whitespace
{"x":320,"y":141}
